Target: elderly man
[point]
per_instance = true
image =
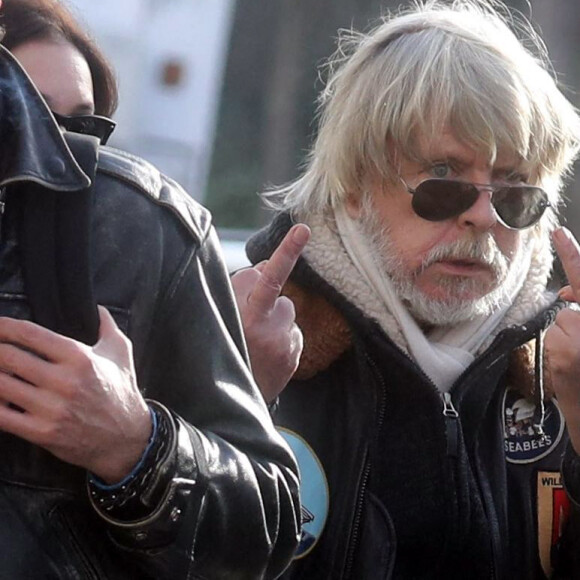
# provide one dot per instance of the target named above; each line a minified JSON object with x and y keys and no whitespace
{"x":135,"y":445}
{"x":438,"y":391}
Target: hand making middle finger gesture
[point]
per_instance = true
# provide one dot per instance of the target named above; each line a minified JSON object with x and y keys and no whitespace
{"x":562,"y":340}
{"x":274,"y":340}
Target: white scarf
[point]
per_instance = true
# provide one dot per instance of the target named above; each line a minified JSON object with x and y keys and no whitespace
{"x":445,"y":352}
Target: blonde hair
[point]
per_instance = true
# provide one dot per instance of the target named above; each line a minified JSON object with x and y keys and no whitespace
{"x":436,"y":64}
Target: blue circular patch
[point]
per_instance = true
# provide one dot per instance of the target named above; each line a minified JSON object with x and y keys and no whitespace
{"x":523,"y":443}
{"x":313,"y":491}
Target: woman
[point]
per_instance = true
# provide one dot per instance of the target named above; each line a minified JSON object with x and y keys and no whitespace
{"x":63,"y":61}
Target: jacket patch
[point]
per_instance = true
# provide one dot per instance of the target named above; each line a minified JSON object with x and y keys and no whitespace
{"x":522,"y":441}
{"x":313,"y":492}
{"x":553,"y":511}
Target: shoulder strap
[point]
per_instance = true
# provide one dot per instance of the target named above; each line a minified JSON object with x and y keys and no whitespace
{"x":56,"y":251}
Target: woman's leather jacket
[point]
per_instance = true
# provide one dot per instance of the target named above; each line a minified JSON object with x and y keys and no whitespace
{"x":229,"y":484}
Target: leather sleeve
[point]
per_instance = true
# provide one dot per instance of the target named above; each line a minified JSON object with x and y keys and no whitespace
{"x":230,"y":505}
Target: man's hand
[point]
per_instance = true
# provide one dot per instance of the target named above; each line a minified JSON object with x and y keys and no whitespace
{"x":562,"y":341}
{"x":274,"y":340}
{"x":80,"y":403}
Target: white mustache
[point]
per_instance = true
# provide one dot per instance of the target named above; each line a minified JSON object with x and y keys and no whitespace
{"x":483,"y":250}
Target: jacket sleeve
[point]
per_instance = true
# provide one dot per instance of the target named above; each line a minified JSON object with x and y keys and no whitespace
{"x":229,"y":506}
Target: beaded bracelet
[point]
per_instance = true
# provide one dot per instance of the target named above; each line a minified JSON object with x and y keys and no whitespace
{"x":126,"y":500}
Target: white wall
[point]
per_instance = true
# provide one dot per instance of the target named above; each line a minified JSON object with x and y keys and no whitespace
{"x":172,"y":126}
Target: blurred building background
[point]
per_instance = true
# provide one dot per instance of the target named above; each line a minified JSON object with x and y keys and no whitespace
{"x":170,"y":57}
{"x":220,"y":93}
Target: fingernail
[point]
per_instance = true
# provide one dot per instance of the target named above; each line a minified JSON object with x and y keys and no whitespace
{"x":564,"y":293}
{"x":301,"y":234}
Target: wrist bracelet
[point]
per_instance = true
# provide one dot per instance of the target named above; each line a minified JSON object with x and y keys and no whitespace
{"x":124,"y":500}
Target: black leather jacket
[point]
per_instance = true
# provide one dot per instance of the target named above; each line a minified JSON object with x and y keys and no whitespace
{"x":398,"y":483}
{"x":229,"y":504}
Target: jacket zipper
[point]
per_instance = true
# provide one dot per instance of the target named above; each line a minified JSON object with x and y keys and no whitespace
{"x":357,"y":519}
{"x":451,"y":419}
{"x":2,"y":210}
{"x":365,"y":477}
{"x":451,"y":425}
{"x":452,"y":433}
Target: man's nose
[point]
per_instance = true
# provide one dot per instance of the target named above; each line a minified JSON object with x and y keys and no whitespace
{"x":481,"y":215}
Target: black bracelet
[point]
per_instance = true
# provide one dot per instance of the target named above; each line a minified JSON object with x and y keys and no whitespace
{"x":131,"y":499}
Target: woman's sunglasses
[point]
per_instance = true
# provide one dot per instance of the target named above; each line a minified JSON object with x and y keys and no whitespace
{"x":95,"y":125}
{"x":517,"y":206}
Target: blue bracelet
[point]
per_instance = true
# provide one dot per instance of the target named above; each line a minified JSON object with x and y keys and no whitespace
{"x":98,"y":483}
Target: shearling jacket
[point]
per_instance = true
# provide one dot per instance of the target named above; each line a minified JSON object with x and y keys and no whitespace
{"x":228,"y":484}
{"x":400,"y":481}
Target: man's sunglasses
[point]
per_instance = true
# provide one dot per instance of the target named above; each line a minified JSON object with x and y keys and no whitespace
{"x":95,"y":125}
{"x":517,"y":206}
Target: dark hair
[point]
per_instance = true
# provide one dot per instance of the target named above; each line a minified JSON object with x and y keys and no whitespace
{"x":31,"y":20}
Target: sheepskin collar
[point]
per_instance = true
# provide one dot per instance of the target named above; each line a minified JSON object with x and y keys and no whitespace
{"x":326,"y":268}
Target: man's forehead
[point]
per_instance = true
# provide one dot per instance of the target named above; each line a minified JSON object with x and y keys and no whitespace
{"x":446,"y":145}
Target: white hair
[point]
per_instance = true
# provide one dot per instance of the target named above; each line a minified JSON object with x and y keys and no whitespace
{"x":457,"y":64}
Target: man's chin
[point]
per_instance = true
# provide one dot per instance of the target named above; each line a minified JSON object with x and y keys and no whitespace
{"x":450,"y":311}
{"x":456,"y":289}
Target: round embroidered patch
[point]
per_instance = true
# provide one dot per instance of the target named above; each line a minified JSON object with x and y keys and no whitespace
{"x":313,"y":491}
{"x":523,"y":443}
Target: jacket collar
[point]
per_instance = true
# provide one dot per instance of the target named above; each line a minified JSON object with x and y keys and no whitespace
{"x":31,"y":144}
{"x":326,"y":316}
{"x":328,"y":257}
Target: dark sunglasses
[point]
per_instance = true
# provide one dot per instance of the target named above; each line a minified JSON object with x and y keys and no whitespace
{"x":517,"y":206}
{"x":95,"y":125}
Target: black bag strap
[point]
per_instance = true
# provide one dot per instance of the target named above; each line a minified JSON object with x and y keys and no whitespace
{"x":56,"y":250}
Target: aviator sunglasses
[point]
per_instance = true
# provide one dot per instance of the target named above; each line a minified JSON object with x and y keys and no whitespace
{"x":517,"y":206}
